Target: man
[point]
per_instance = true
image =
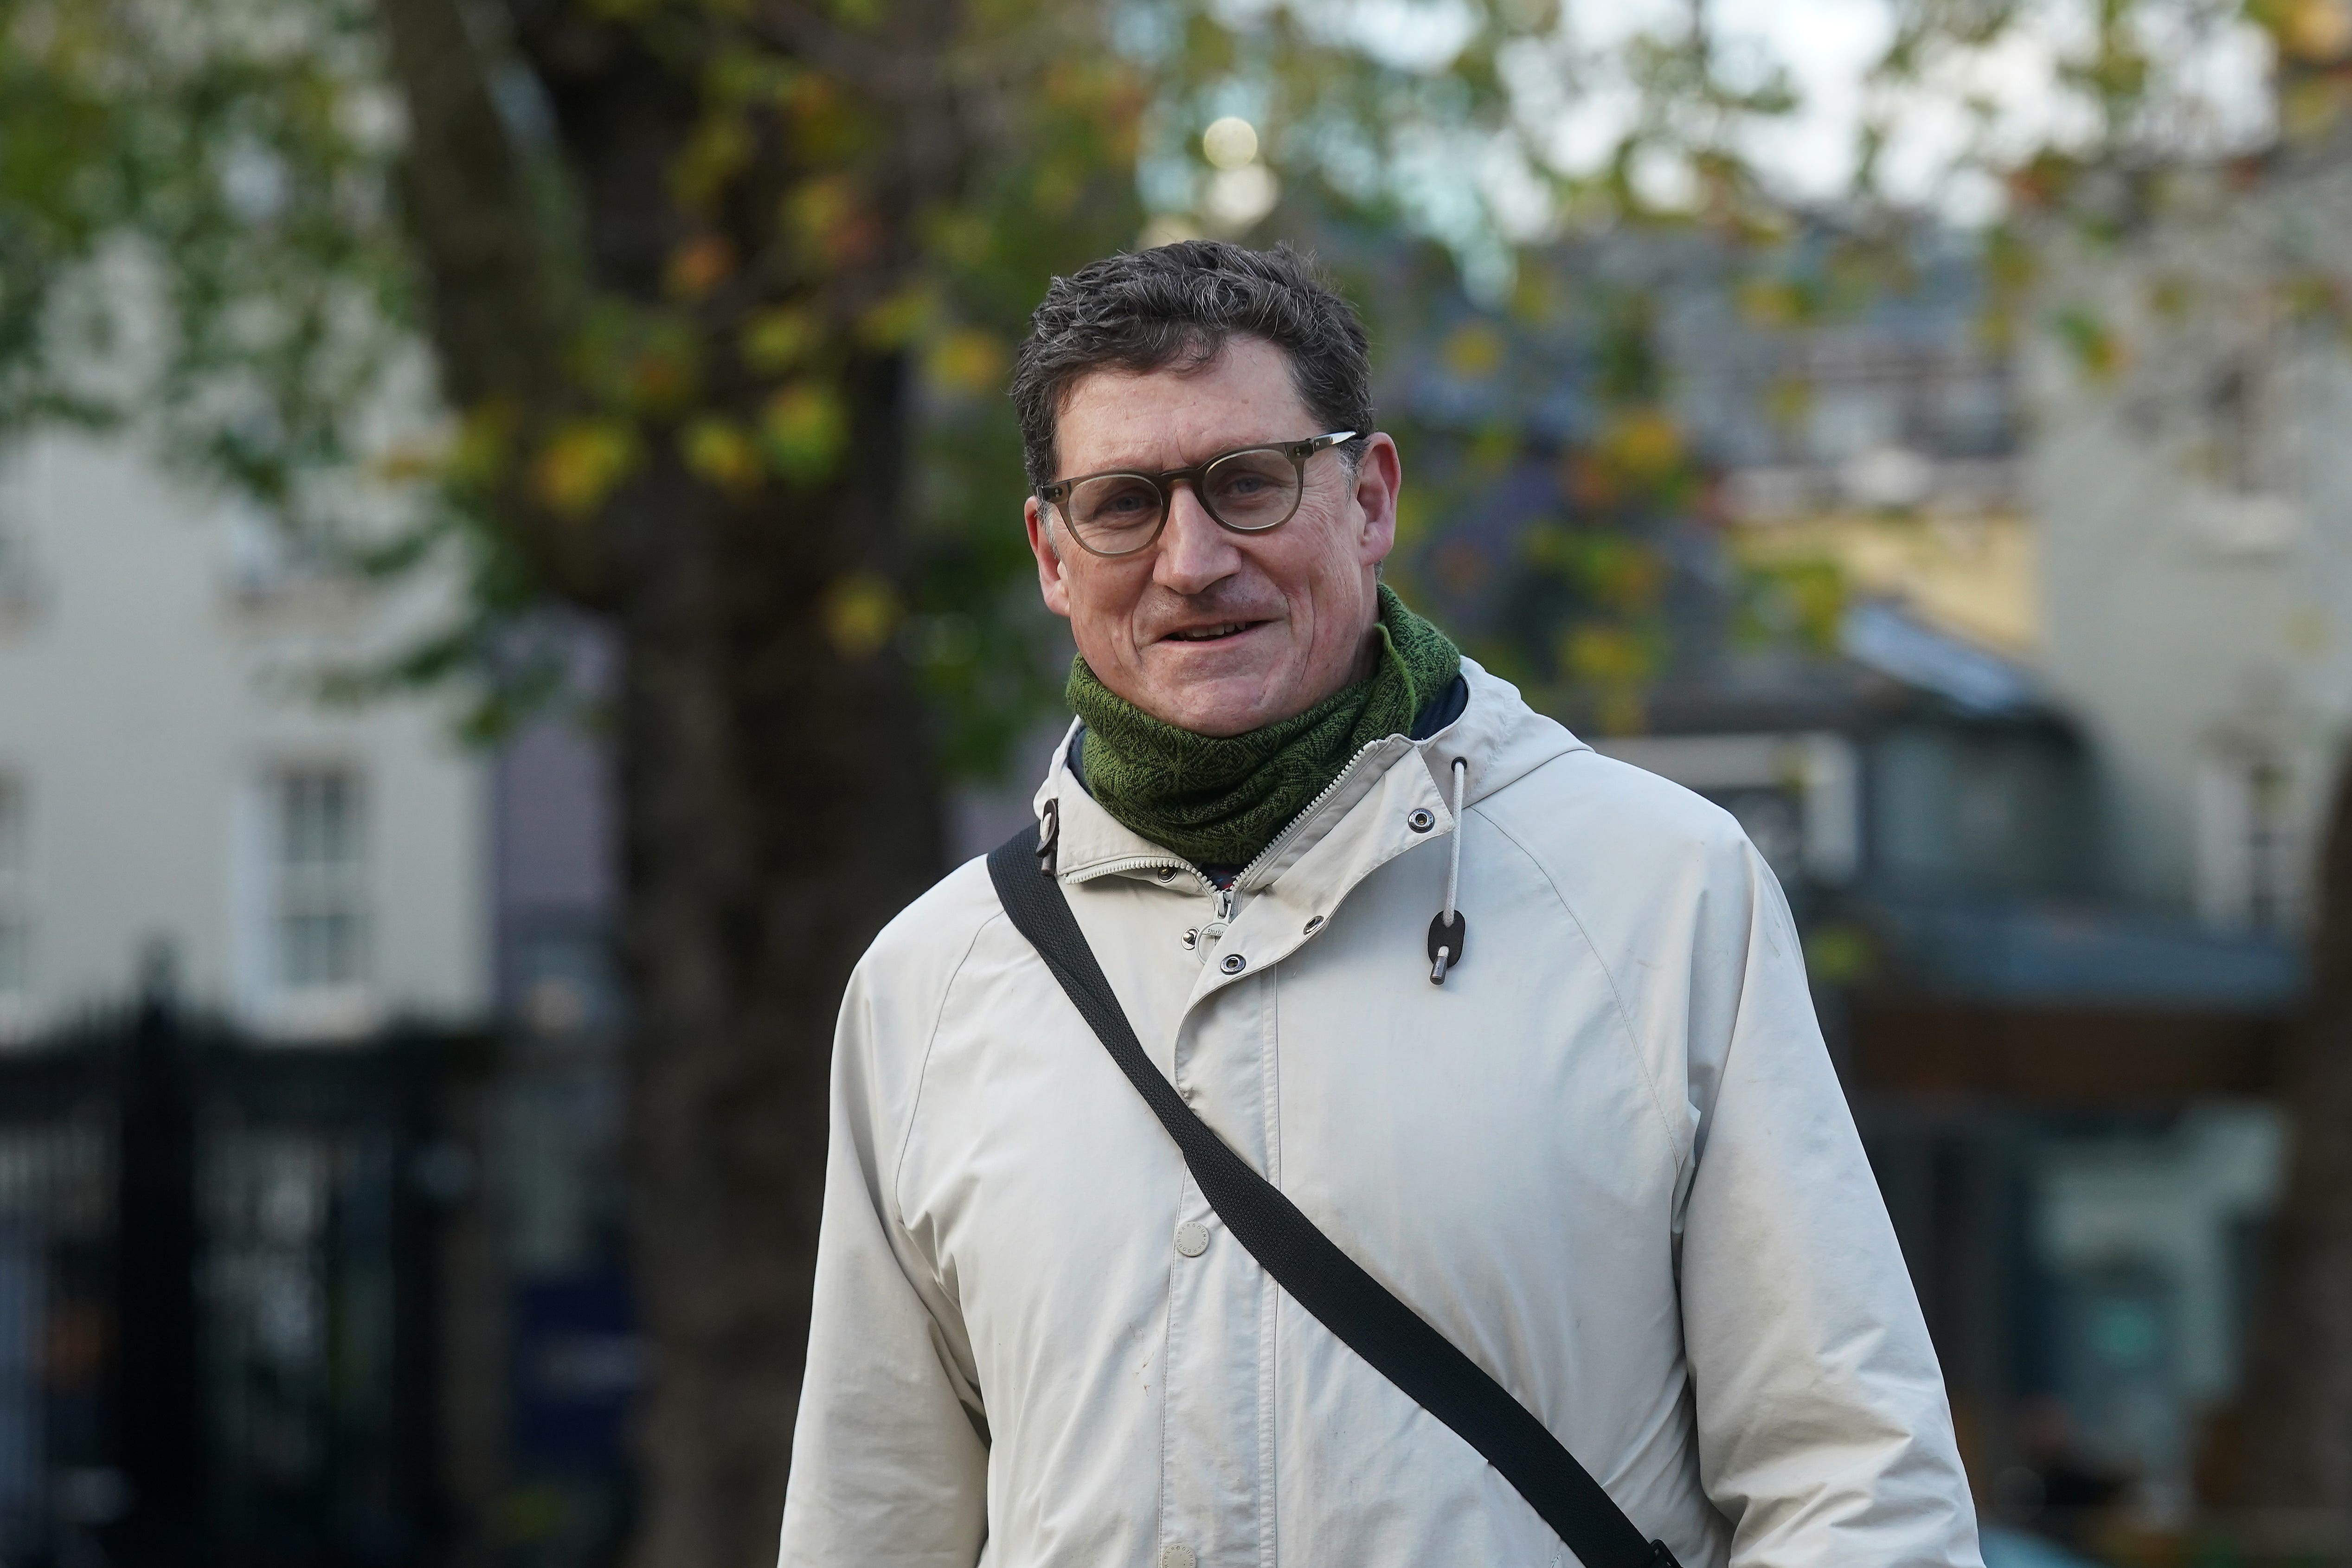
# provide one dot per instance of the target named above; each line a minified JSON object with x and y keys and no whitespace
{"x":1598,"y":1145}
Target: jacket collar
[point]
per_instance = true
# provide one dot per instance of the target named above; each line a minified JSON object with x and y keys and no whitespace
{"x":1496,"y":734}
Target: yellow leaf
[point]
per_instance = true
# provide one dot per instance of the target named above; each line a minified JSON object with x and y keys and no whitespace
{"x":660,"y":379}
{"x":716,"y":152}
{"x":1412,"y":517}
{"x":699,"y":266}
{"x":969,"y":360}
{"x":1839,"y":955}
{"x":720,"y":451}
{"x":582,"y":463}
{"x":1789,"y":401}
{"x":820,"y":205}
{"x":895,"y":321}
{"x":823,"y":123}
{"x":1532,"y":297}
{"x":804,"y":429}
{"x":410,"y":461}
{"x":1769,"y":302}
{"x":2318,"y":29}
{"x":831,"y":220}
{"x":483,"y":440}
{"x":1623,"y":711}
{"x":861,"y":611}
{"x":1473,"y":352}
{"x":778,"y":339}
{"x":2098,"y":350}
{"x":1644,"y":446}
{"x":1606,"y":654}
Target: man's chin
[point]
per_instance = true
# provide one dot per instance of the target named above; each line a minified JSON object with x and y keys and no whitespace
{"x":1215,"y":704}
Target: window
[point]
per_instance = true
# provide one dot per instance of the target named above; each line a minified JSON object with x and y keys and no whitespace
{"x":319,"y":907}
{"x":2249,"y":853}
{"x":2249,"y":507}
{"x":2234,"y":410}
{"x":1795,"y":795}
{"x":16,"y":901}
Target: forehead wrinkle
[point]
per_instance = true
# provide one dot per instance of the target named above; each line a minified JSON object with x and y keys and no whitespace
{"x":1150,"y":436}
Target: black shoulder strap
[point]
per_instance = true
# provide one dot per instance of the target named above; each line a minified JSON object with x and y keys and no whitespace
{"x":1325,"y":1280}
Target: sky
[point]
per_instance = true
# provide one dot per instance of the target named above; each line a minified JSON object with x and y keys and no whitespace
{"x":2003,"y":101}
{"x":2006,"y":99}
{"x":1949,"y":132}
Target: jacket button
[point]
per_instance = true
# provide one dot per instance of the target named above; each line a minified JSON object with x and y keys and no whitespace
{"x":1178,"y":1556}
{"x":1420,"y":819}
{"x":1233,"y":964}
{"x":1192,"y":1239}
{"x":1191,"y":939}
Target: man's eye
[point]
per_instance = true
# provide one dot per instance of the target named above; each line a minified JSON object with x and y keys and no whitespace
{"x":1125,"y":503}
{"x":1116,"y":504}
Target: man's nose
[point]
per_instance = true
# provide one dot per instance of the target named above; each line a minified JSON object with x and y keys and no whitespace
{"x":1194,"y":554}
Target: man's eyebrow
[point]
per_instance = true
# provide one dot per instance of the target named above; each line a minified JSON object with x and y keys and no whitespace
{"x":1137,"y":465}
{"x":1119,"y":465}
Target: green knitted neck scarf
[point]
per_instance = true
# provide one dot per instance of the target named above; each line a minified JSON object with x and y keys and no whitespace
{"x":1218,"y":800}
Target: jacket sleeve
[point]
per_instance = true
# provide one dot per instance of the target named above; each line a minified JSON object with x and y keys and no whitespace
{"x":1824,"y":1435}
{"x":889,"y":1462}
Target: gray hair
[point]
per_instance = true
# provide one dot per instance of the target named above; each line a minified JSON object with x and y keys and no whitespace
{"x":1176,"y":307}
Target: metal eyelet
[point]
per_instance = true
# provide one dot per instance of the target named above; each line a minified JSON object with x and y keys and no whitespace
{"x":1421,"y":819}
{"x":1233,"y":964}
{"x":1313,"y":926}
{"x":1165,"y":874}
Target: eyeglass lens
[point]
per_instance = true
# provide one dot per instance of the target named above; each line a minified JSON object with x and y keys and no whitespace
{"x":1248,"y":490}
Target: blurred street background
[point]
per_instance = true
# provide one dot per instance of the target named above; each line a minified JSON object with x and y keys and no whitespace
{"x":510,"y":571}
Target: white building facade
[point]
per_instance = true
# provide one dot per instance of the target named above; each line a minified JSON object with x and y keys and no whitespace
{"x":2192,"y":387}
{"x":172,"y":791}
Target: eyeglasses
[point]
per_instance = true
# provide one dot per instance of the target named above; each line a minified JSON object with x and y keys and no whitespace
{"x":1249,"y":491}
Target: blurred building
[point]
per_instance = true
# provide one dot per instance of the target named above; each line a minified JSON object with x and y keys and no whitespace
{"x":172,"y":794}
{"x":1909,"y":637}
{"x":2059,"y":956}
{"x":2196,"y":511}
{"x":309,"y":1190}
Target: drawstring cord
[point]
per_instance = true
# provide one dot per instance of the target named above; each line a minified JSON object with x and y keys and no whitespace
{"x":1453,"y":872}
{"x":1449,"y":933}
{"x":1049,"y":838}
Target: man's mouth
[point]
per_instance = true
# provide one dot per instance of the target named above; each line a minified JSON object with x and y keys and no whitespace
{"x":1212,"y":634}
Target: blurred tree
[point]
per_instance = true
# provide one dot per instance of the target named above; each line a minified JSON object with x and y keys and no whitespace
{"x":719,"y":296}
{"x":2296,"y":1408}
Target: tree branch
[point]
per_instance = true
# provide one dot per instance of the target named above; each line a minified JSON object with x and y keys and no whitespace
{"x":470,"y":209}
{"x":497,"y":305}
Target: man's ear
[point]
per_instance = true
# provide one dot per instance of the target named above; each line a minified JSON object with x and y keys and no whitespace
{"x":1050,"y":585}
{"x":1380,"y":476}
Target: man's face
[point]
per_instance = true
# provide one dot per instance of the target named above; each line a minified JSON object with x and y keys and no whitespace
{"x":1214,"y":631}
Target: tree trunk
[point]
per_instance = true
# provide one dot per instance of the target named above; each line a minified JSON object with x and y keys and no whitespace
{"x":778,"y":810}
{"x":777,"y":801}
{"x":2299,"y":1398}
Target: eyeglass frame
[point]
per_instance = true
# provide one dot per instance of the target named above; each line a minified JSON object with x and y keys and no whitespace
{"x":1057,"y":492}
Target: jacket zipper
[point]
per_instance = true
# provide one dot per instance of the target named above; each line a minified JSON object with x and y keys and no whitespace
{"x":1290,"y":830}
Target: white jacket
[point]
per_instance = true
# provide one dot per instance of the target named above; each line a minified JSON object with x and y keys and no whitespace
{"x":1608,"y":1159}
